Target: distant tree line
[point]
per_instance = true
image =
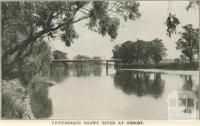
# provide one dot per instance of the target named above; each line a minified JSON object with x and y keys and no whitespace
{"x":146,"y":52}
{"x":140,"y":52}
{"x":97,"y":59}
{"x":59,"y":55}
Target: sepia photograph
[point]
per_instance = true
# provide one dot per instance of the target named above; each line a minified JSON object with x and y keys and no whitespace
{"x":100,"y":60}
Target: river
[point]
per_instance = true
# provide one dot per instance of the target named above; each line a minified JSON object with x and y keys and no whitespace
{"x":92,"y":93}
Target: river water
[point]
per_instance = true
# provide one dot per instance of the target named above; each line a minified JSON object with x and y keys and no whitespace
{"x":92,"y":93}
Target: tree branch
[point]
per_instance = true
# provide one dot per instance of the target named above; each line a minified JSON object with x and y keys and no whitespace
{"x":84,"y":12}
{"x":23,"y":44}
{"x":82,"y":18}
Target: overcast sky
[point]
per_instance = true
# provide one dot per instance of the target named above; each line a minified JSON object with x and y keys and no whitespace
{"x":149,"y":26}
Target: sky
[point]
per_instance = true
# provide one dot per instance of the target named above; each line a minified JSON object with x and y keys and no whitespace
{"x":149,"y":26}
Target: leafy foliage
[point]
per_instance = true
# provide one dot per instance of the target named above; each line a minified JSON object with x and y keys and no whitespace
{"x":188,"y":42}
{"x":78,"y":57}
{"x":192,"y":4}
{"x":172,"y":22}
{"x":140,"y":51}
{"x":124,"y":52}
{"x":38,"y":62}
{"x":25,"y":26}
{"x":95,"y":61}
{"x":158,"y":50}
{"x":104,"y":17}
{"x":49,"y":17}
{"x":59,"y":55}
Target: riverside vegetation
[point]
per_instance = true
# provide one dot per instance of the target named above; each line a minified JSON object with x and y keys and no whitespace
{"x":149,"y":54}
{"x":26,"y":53}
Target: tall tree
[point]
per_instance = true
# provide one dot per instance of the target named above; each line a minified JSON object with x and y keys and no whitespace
{"x":188,"y":42}
{"x":158,"y":50}
{"x":141,"y":51}
{"x":124,"y":52}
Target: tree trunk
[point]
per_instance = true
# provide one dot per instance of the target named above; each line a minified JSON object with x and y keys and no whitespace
{"x":190,"y":60}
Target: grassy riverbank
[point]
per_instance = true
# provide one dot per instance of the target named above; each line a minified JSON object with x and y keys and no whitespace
{"x":169,"y":66}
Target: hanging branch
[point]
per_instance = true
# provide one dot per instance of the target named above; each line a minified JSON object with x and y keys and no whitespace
{"x":171,"y":23}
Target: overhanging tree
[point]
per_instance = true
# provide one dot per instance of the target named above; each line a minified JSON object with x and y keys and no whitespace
{"x":39,"y":20}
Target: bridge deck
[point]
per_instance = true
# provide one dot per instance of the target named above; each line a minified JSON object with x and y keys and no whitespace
{"x":84,"y":60}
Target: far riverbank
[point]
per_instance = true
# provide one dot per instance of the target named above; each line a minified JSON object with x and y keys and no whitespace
{"x":166,"y":66}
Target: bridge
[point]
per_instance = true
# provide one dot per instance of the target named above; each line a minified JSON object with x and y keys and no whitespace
{"x":117,"y":61}
{"x":85,"y":60}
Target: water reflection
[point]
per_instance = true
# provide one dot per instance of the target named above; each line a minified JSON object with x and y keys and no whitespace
{"x":97,"y":71}
{"x":59,"y":72}
{"x":121,"y":91}
{"x":139,"y":83}
{"x":188,"y":85}
{"x":147,"y":86}
{"x":85,"y":71}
